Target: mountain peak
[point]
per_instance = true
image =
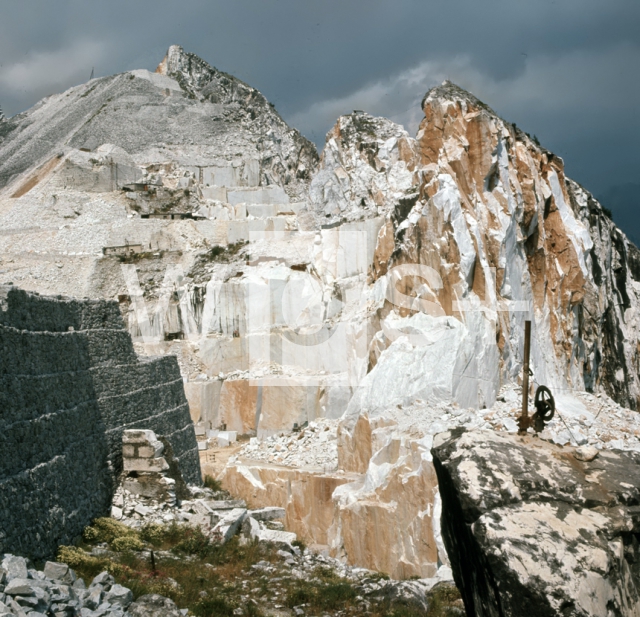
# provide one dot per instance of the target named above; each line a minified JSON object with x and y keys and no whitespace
{"x":449,"y":91}
{"x":171,"y":60}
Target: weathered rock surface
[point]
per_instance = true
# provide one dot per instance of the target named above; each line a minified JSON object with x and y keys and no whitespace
{"x":532,"y":529}
{"x":186,"y":105}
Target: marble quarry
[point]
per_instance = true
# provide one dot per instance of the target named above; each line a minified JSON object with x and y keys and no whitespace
{"x":379,"y":289}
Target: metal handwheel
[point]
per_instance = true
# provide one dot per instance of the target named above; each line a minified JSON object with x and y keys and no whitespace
{"x":545,"y":408}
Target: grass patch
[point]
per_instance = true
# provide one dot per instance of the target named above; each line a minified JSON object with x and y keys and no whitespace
{"x":215,"y":580}
{"x":187,"y":563}
{"x":212,"y":483}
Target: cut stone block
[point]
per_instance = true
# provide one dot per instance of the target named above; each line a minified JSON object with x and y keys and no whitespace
{"x":216,"y":193}
{"x":282,"y":539}
{"x":262,"y":195}
{"x":145,"y":464}
{"x":267,"y":514}
{"x":262,"y":210}
{"x":230,"y":436}
{"x":138,"y":436}
{"x":230,"y":523}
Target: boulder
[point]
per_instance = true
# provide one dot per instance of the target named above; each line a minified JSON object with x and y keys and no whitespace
{"x":229,"y":523}
{"x":153,"y":605}
{"x":104,"y":579}
{"x":533,"y":529}
{"x":20,"y":587}
{"x":14,"y":567}
{"x":119,"y":595}
{"x":59,"y":572}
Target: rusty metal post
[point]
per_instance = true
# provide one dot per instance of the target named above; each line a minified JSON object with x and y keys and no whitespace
{"x":524,"y":420}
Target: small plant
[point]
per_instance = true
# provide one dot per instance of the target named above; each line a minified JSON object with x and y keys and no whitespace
{"x":213,"y":606}
{"x":215,"y":579}
{"x":76,"y":558}
{"x":154,"y":534}
{"x":194,"y":542}
{"x":107,"y":530}
{"x":127,"y":543}
{"x":444,"y":601}
{"x":212,"y":483}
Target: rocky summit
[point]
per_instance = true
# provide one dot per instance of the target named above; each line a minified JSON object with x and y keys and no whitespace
{"x":349,"y":331}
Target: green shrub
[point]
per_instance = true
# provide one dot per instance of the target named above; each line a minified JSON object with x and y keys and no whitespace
{"x":107,"y":530}
{"x":193,"y":542}
{"x":127,"y":543}
{"x":334,"y":595}
{"x":75,"y":557}
{"x":213,"y":607}
{"x":300,"y":544}
{"x":154,"y":534}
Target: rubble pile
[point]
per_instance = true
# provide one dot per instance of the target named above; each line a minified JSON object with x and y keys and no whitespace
{"x":56,"y":591}
{"x":581,"y":418}
{"x":370,"y":586}
{"x":313,"y":446}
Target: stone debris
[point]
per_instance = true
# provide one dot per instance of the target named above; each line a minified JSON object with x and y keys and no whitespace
{"x":223,"y":518}
{"x":370,"y":586}
{"x":313,"y":446}
{"x":153,"y":605}
{"x":145,"y":471}
{"x":56,"y":591}
{"x":581,"y":419}
{"x":381,"y":479}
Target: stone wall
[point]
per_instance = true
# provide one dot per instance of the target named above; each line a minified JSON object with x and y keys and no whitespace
{"x":71,"y":383}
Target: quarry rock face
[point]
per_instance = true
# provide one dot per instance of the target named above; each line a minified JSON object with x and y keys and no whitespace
{"x":532,"y":528}
{"x":484,"y":227}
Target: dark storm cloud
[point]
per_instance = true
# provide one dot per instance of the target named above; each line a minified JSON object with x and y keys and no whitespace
{"x":566,"y":70}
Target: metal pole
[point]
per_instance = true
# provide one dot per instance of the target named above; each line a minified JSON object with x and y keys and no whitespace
{"x":524,"y":418}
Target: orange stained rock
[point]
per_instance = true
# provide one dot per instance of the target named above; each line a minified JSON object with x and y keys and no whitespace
{"x":238,"y":399}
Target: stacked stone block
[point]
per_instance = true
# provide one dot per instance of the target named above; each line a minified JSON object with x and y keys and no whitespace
{"x":146,"y":468}
{"x":70,"y":384}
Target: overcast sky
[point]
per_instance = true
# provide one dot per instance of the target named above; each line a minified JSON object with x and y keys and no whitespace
{"x":567,"y":71}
